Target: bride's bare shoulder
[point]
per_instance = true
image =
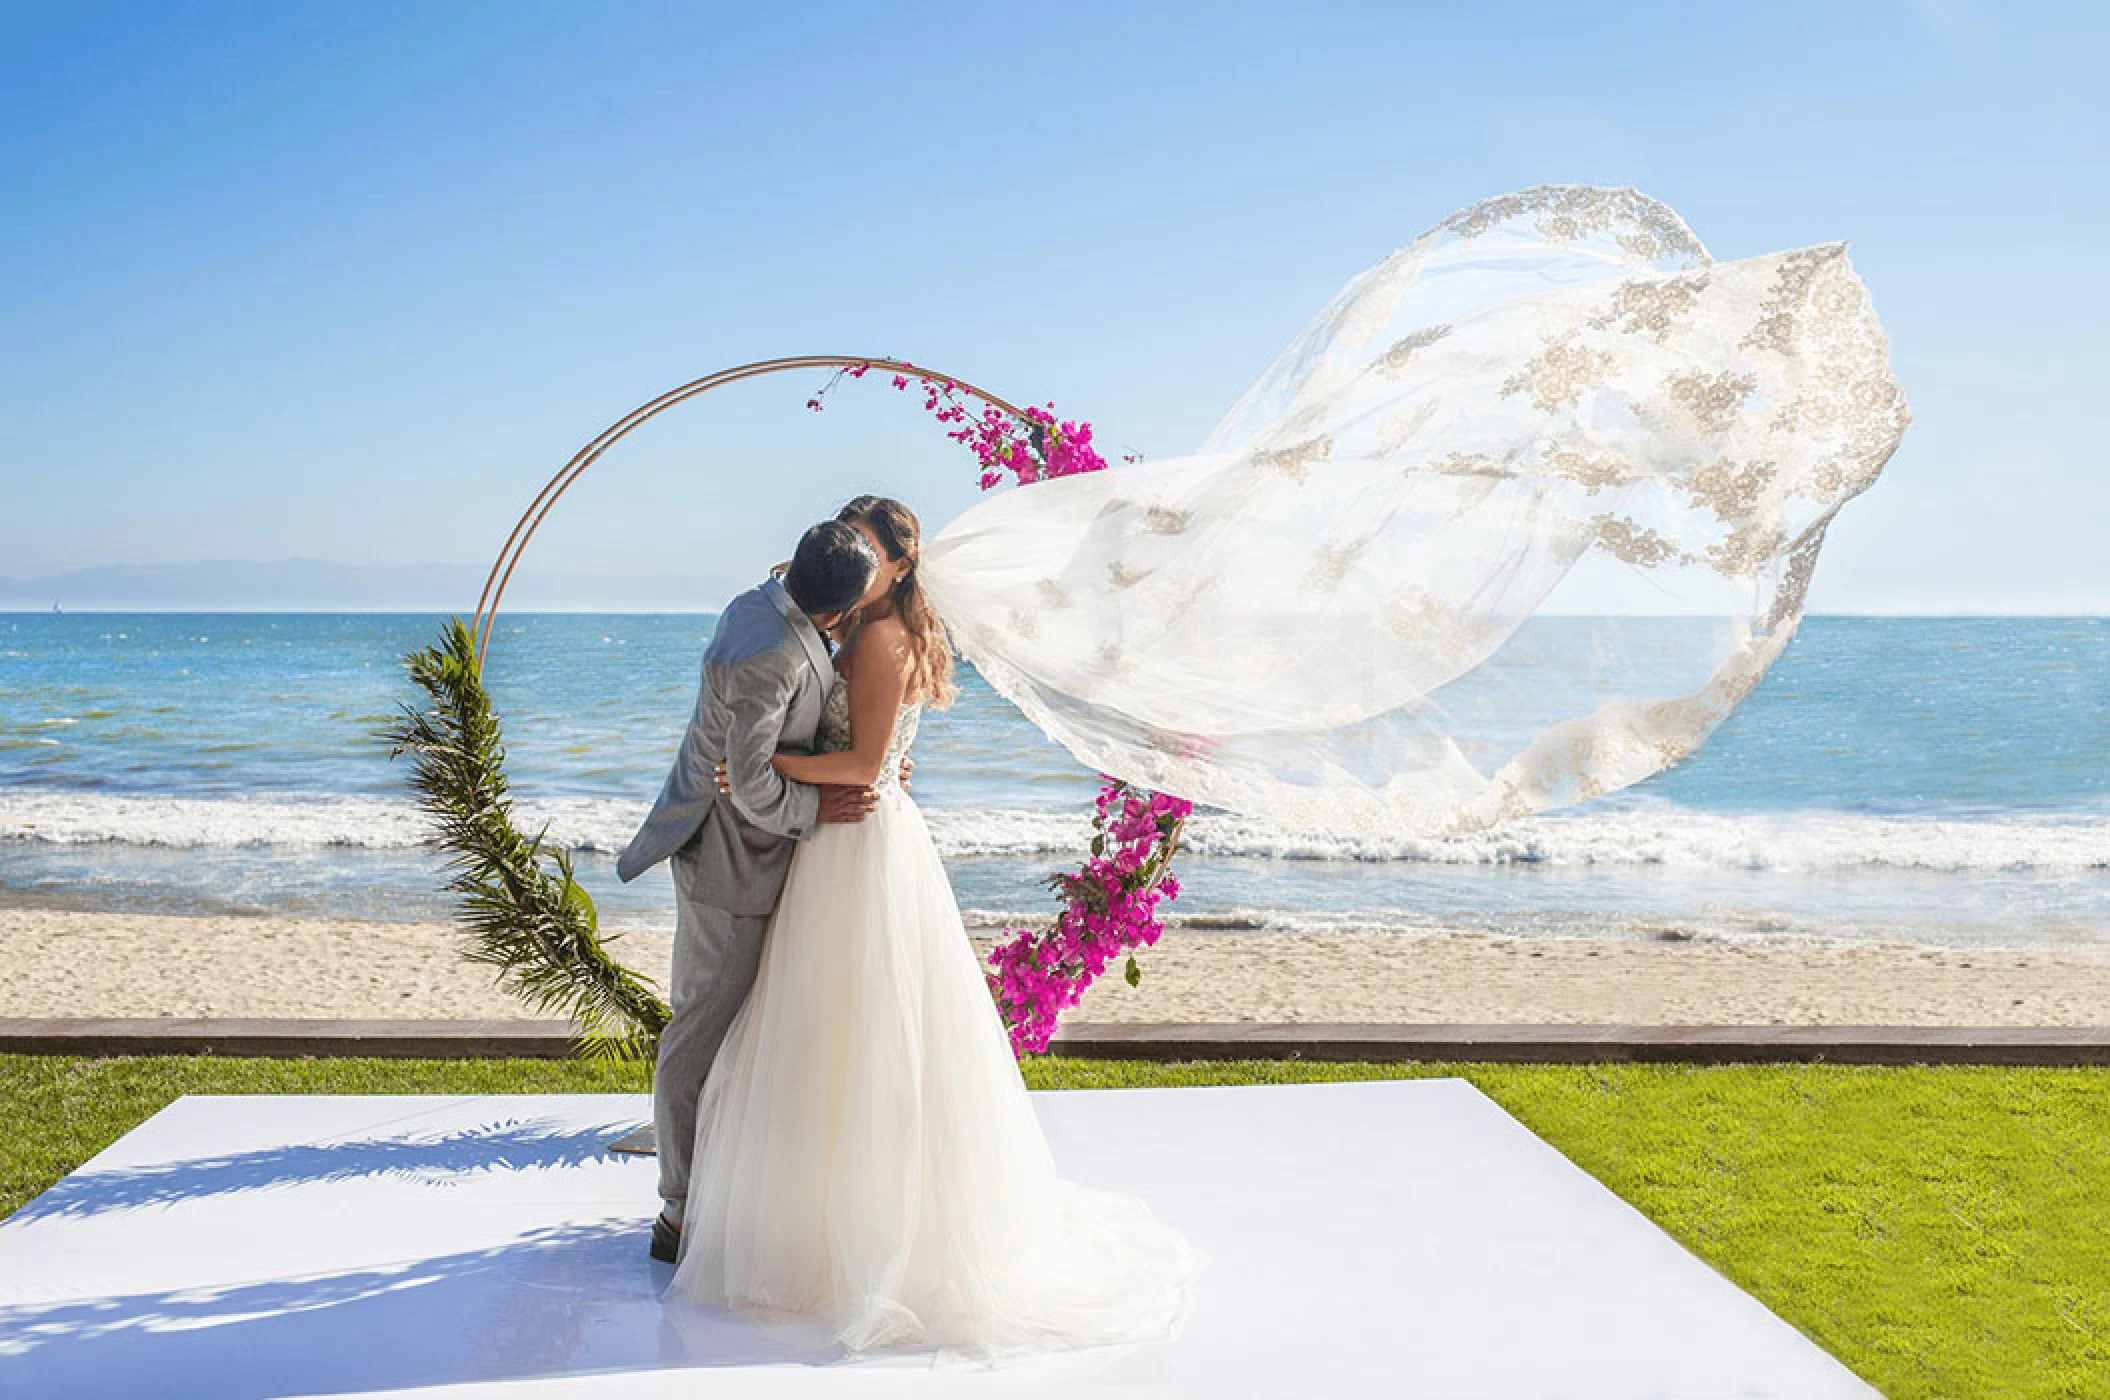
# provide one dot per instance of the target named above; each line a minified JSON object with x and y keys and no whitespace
{"x":881,"y":644}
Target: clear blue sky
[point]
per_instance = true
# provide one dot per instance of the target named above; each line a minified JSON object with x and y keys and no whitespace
{"x":350,"y":280}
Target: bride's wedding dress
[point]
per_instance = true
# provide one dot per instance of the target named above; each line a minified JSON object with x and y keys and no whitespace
{"x":867,"y":1159}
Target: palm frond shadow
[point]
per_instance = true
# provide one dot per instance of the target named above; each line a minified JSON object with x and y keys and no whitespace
{"x":558,"y":1300}
{"x":442,"y":1160}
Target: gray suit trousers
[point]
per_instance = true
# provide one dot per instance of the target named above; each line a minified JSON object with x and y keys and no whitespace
{"x":716,"y":956}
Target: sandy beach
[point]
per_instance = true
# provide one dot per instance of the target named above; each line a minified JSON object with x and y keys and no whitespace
{"x":66,"y":963}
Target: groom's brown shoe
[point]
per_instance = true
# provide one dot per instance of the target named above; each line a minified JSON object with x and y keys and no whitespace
{"x":666,"y":1239}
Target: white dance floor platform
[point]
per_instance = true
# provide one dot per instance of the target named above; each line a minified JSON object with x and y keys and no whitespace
{"x":1398,"y":1239}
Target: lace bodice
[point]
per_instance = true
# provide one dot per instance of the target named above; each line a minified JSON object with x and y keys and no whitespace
{"x":834,"y":733}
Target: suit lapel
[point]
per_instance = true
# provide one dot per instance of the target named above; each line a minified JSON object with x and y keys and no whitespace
{"x":802,"y":627}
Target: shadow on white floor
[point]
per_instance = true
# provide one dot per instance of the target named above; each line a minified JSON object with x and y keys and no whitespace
{"x":1403,"y":1238}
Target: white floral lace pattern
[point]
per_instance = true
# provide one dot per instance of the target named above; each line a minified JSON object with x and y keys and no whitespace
{"x":833,"y":735}
{"x":1336,"y":612}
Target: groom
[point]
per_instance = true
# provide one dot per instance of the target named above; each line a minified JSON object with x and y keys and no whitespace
{"x":766,"y":676}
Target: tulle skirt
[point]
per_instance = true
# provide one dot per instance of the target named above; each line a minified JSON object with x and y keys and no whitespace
{"x":868,"y":1163}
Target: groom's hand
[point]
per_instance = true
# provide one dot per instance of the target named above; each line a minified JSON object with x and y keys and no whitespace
{"x":846,"y":804}
{"x":908,"y":766}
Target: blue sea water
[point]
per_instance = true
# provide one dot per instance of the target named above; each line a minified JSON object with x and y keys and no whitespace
{"x":1937,"y":781}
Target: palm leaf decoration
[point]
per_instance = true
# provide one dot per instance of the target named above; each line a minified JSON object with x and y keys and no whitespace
{"x":533,"y":923}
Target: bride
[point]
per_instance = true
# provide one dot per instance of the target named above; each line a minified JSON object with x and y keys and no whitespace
{"x":867,"y":1157}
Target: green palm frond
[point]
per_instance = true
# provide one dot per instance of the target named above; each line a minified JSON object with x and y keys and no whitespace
{"x":535,"y":924}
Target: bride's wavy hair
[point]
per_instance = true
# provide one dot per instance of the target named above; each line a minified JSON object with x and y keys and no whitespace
{"x":930,"y":649}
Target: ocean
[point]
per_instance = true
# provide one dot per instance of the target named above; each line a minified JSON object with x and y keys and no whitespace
{"x":1939,"y":781}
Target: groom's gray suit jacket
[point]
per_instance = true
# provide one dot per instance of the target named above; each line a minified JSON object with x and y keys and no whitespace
{"x":765,"y":682}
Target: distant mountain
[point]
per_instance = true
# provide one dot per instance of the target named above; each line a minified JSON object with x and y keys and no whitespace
{"x":324,"y":585}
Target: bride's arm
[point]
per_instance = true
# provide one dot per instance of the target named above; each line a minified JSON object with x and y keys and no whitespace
{"x":878,"y":684}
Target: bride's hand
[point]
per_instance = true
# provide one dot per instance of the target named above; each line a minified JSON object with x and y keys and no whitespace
{"x":908,"y":766}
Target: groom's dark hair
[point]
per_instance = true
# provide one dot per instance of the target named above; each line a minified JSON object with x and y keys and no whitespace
{"x":831,"y":569}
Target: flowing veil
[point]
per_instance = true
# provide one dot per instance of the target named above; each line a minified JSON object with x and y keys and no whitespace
{"x":1347,"y":609}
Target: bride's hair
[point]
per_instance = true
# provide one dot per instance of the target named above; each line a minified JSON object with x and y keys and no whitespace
{"x":930,"y":650}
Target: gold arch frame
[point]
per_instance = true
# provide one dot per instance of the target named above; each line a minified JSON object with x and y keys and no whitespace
{"x":539,"y":508}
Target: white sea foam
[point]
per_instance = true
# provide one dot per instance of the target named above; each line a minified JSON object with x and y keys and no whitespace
{"x":1662,"y":835}
{"x":372,"y":823}
{"x":1711,"y":926}
{"x":1698,"y":839}
{"x":1389,"y":922}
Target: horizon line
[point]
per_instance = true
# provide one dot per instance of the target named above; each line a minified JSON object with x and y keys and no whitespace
{"x":712,"y":612}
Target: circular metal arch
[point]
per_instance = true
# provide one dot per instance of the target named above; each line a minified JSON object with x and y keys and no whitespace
{"x":531,"y":519}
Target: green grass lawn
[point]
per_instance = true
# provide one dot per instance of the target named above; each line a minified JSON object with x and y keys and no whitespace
{"x":1944,"y":1231}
